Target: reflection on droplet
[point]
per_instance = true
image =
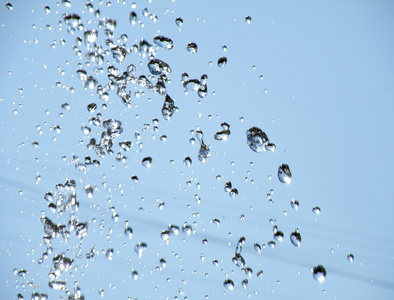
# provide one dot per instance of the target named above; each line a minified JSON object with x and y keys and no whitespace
{"x":228,"y":284}
{"x":192,"y":48}
{"x":284,"y":173}
{"x":222,"y":62}
{"x":295,"y":238}
{"x":319,"y":273}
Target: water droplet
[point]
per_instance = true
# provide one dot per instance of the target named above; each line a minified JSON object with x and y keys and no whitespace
{"x":9,"y":6}
{"x":128,"y":232}
{"x":47,"y":9}
{"x":173,"y":229}
{"x":168,"y":108}
{"x":163,"y":42}
{"x":319,"y":273}
{"x":165,"y":235}
{"x":222,"y":62}
{"x":157,"y":67}
{"x":192,"y":48}
{"x":233,"y":193}
{"x":187,"y":161}
{"x":223,"y":134}
{"x":316,"y":210}
{"x":146,"y":162}
{"x":295,"y":238}
{"x":244,"y":283}
{"x":257,"y":247}
{"x":260,"y":274}
{"x":350,"y":257}
{"x":179,"y":22}
{"x":294,"y":204}
{"x":192,"y":85}
{"x":270,"y":147}
{"x":284,"y":173}
{"x":256,"y":139}
{"x":140,"y":248}
{"x":119,"y":53}
{"x":278,"y":235}
{"x":92,"y":107}
{"x":109,"y":254}
{"x":228,"y":284}
{"x":133,"y":18}
{"x":248,"y":19}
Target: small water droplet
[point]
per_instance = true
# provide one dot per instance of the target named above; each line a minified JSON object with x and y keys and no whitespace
{"x":187,"y":161}
{"x":316,"y":210}
{"x":9,"y":6}
{"x":350,"y":257}
{"x":147,"y":161}
{"x":294,"y":204}
{"x":222,"y":62}
{"x":319,"y":273}
{"x":284,"y":173}
{"x":248,"y":19}
{"x":295,"y":238}
{"x":140,"y":248}
{"x":179,"y":22}
{"x":228,"y":284}
{"x":192,"y":48}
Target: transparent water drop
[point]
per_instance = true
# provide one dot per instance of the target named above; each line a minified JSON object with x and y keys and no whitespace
{"x":223,"y":134}
{"x":278,"y":236}
{"x":294,"y":204}
{"x":319,"y":273}
{"x":163,"y":42}
{"x":295,"y":238}
{"x":165,"y":235}
{"x":47,"y":9}
{"x":9,"y":6}
{"x":238,"y":260}
{"x":259,"y":274}
{"x":187,"y":161}
{"x":128,"y":232}
{"x":257,"y":248}
{"x":192,"y":85}
{"x":233,"y":193}
{"x":168,"y":108}
{"x":284,"y":173}
{"x":140,"y":248}
{"x":248,"y":271}
{"x":316,"y":210}
{"x":173,"y":229}
{"x":147,"y":161}
{"x":248,"y":19}
{"x":222,"y":62}
{"x":228,"y":284}
{"x":119,"y":53}
{"x":256,"y":139}
{"x":179,"y":22}
{"x":270,"y":147}
{"x":227,"y":186}
{"x":192,"y":48}
{"x":350,"y":257}
{"x":157,"y":67}
{"x":92,"y":107}
{"x":109,"y":254}
{"x":133,"y":18}
{"x":244,"y":283}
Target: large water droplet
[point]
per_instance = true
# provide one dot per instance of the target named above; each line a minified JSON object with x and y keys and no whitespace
{"x":179,"y":22}
{"x":228,"y":284}
{"x":146,"y":162}
{"x":284,"y":173}
{"x":256,"y":139}
{"x":157,"y":67}
{"x":222,"y":62}
{"x":192,"y":48}
{"x":295,"y":238}
{"x":319,"y":273}
{"x":163,"y":42}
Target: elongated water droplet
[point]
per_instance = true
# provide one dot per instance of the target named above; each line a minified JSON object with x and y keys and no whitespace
{"x":284,"y":173}
{"x":295,"y":238}
{"x":163,"y":42}
{"x":9,"y":6}
{"x":157,"y":67}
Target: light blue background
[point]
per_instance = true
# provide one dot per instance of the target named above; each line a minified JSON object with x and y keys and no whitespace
{"x":328,"y":71}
